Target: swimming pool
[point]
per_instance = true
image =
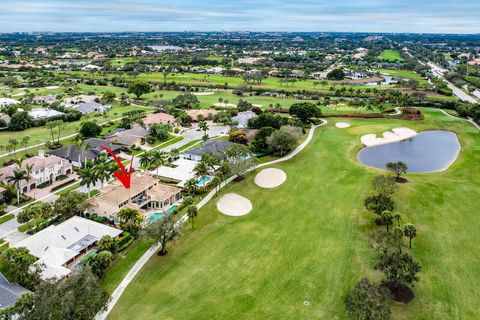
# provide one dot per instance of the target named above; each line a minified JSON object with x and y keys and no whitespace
{"x":203,"y":181}
{"x":156,"y":216}
{"x":84,"y":259}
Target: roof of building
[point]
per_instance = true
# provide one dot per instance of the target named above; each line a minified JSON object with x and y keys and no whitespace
{"x":216,"y":147}
{"x":37,"y":163}
{"x":44,"y":113}
{"x":6,"y":101}
{"x":194,"y":113}
{"x":71,"y":152}
{"x":5,"y":117}
{"x":162,"y":192}
{"x":158,"y":118}
{"x":9,"y":292}
{"x":57,"y":244}
{"x":88,"y":107}
{"x":48,"y":98}
{"x":243,"y":117}
{"x":130,"y":136}
{"x":118,"y":194}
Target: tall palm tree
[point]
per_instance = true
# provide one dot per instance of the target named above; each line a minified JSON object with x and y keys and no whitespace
{"x":13,"y":143}
{"x":216,"y":181}
{"x":18,"y":176}
{"x":192,"y":213}
{"x":80,"y":144}
{"x":88,"y":177}
{"x":190,"y":186}
{"x":25,"y":141}
{"x":201,"y":171}
{"x":159,"y":158}
{"x":146,"y":159}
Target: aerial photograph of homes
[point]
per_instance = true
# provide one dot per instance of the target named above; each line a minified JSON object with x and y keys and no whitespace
{"x":239,"y":160}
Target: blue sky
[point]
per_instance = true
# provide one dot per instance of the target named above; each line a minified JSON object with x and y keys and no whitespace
{"x":436,"y":16}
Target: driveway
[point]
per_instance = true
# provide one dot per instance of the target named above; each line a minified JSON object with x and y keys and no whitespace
{"x":189,"y":136}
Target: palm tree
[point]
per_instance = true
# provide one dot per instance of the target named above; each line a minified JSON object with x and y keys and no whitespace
{"x":88,"y":177}
{"x":146,"y":159}
{"x":131,"y":218}
{"x":13,"y":143}
{"x":216,"y":181}
{"x":192,"y":213}
{"x":101,"y":171}
{"x":18,"y":176}
{"x":201,"y":171}
{"x":25,"y":141}
{"x":411,"y":232}
{"x":190,"y":186}
{"x":204,"y":127}
{"x":159,"y":158}
{"x":80,"y":144}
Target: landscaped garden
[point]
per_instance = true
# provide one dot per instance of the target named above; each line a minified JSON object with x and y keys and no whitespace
{"x":305,"y":244}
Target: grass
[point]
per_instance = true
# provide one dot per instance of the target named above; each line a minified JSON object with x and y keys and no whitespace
{"x":390,"y":56}
{"x":308,"y":240}
{"x":6,"y":218}
{"x":122,"y":264}
{"x":189,"y":145}
{"x":404,"y":74}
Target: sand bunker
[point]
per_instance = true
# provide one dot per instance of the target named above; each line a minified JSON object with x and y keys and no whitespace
{"x":233,"y":204}
{"x":223,"y":104}
{"x":270,"y":178}
{"x":256,"y":105}
{"x":397,"y":134}
{"x":18,"y":94}
{"x":52,"y":87}
{"x":342,"y":125}
{"x":203,"y":93}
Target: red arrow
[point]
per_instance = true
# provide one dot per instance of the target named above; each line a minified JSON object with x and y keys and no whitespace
{"x":124,"y":177}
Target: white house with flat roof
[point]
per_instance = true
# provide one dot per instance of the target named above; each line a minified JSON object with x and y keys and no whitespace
{"x":60,"y":247}
{"x":4,"y":102}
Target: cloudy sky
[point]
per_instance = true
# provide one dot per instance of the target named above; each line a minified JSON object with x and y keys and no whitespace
{"x":436,"y":16}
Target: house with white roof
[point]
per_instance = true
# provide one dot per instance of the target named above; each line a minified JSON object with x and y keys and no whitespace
{"x":4,"y":102}
{"x":60,"y":247}
{"x":44,"y":113}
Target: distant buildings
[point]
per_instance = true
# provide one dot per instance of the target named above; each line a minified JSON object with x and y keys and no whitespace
{"x":215,"y":147}
{"x":158,"y":118}
{"x":49,"y":99}
{"x":4,"y":102}
{"x":135,"y":136}
{"x":355,"y":74}
{"x":43,"y":170}
{"x":44,"y":113}
{"x":89,"y":107}
{"x":90,"y":151}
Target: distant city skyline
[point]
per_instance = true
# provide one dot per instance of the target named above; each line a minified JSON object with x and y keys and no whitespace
{"x":408,"y":16}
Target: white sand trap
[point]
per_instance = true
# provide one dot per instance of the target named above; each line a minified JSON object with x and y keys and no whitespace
{"x":223,"y":104}
{"x":257,"y":105}
{"x":203,"y":93}
{"x":397,"y":134}
{"x":233,"y":204}
{"x":18,"y":94}
{"x":52,"y":87}
{"x":270,"y":178}
{"x":342,"y":125}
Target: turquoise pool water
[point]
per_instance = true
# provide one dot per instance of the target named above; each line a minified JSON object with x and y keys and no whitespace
{"x":203,"y":180}
{"x":156,"y":216}
{"x":82,"y":262}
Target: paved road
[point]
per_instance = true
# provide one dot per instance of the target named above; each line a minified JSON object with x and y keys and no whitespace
{"x":459,"y":93}
{"x":147,"y":255}
{"x":189,"y":136}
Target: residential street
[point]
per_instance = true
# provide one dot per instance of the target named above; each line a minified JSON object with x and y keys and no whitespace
{"x":439,"y":72}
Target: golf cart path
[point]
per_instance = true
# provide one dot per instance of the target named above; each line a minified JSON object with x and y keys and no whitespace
{"x":469,"y":119}
{"x":102,"y":315}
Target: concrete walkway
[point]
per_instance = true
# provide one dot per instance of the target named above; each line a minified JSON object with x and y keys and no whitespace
{"x":147,"y":255}
{"x":476,"y":125}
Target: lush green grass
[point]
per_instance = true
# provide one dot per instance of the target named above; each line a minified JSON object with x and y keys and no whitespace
{"x":122,"y":264}
{"x":404,"y":74}
{"x":390,"y":55}
{"x":6,"y":218}
{"x":308,"y":240}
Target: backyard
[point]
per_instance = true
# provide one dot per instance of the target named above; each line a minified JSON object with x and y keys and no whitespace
{"x":301,"y":249}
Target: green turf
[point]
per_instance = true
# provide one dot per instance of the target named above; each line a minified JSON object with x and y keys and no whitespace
{"x":308,"y":240}
{"x":390,"y":56}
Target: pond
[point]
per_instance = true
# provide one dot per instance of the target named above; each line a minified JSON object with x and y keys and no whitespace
{"x":429,"y":151}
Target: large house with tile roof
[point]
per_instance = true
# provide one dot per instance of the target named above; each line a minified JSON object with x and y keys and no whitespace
{"x":44,"y":169}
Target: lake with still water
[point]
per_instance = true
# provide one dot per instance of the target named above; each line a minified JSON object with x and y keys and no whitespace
{"x":429,"y":151}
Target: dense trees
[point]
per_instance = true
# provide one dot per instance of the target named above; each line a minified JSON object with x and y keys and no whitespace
{"x":78,"y":297}
{"x":19,"y":265}
{"x":90,"y":129}
{"x":336,"y":74}
{"x":20,"y":121}
{"x":367,"y":301}
{"x":284,"y":139}
{"x":304,"y":111}
{"x":70,"y":204}
{"x":139,"y":88}
{"x":131,"y":220}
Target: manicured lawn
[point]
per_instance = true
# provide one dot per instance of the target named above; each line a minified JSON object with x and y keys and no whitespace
{"x":122,"y":264}
{"x":404,"y":74}
{"x":6,"y":218}
{"x":390,"y":55}
{"x":308,"y":240}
